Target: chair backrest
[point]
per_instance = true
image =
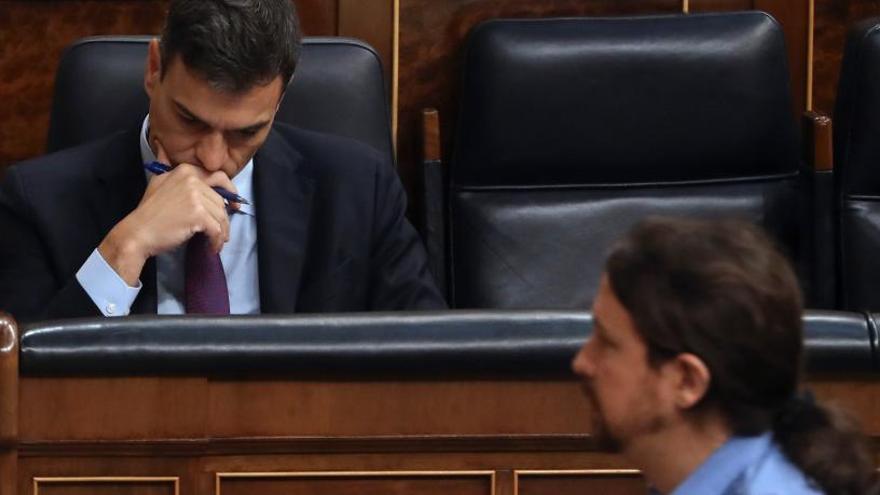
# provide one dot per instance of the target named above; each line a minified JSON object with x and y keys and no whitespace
{"x":338,"y":88}
{"x":857,"y":168}
{"x":571,"y":130}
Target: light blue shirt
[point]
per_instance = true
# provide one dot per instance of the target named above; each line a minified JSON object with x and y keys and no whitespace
{"x":747,"y":466}
{"x":239,"y":257}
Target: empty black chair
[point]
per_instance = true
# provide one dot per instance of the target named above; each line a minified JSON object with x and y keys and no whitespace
{"x":570,"y":130}
{"x":338,"y":88}
{"x":857,"y":168}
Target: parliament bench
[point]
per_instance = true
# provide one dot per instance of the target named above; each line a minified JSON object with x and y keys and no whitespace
{"x":448,"y":402}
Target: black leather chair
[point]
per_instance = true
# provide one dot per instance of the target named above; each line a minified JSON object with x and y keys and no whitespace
{"x":571,"y":130}
{"x":475,"y":343}
{"x":857,"y":168}
{"x":338,"y":88}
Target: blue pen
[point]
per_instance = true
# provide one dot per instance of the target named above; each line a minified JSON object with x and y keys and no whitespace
{"x":160,"y":168}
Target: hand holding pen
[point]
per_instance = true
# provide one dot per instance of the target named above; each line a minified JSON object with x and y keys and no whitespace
{"x":175,"y":206}
{"x":160,"y":168}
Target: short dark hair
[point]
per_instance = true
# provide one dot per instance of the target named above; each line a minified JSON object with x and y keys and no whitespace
{"x":721,"y":291}
{"x":233,"y":44}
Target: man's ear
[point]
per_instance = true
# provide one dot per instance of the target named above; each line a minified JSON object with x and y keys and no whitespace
{"x":692,"y":380}
{"x":153,"y":69}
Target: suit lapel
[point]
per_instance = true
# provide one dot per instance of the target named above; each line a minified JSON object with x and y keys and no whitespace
{"x":283,"y":201}
{"x":122,"y":182}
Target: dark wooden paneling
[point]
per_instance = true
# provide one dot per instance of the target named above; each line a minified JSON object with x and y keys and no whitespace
{"x":130,"y":408}
{"x":431,"y":35}
{"x":106,"y":488}
{"x":579,"y":484}
{"x":247,"y":418}
{"x":373,"y":22}
{"x":318,"y":17}
{"x":32,"y":37}
{"x":361,"y":485}
{"x":720,"y":5}
{"x":306,"y":408}
{"x":115,"y":474}
{"x":833,"y":20}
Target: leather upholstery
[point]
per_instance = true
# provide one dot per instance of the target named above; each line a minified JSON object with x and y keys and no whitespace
{"x":856,"y":159}
{"x":338,"y":88}
{"x":874,"y":337}
{"x":835,"y":341}
{"x":423,"y":343}
{"x":571,"y":130}
{"x":440,"y":344}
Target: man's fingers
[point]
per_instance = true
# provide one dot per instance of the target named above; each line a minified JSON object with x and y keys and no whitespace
{"x":216,"y":210}
{"x":218,"y":234}
{"x":220,"y":179}
{"x":213,"y":198}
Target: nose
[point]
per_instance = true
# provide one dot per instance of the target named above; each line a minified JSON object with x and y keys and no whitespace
{"x":212,"y":151}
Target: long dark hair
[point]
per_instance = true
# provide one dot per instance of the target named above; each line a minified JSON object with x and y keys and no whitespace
{"x":721,"y":291}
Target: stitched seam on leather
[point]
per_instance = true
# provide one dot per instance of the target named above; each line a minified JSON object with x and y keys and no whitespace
{"x":861,"y":197}
{"x":601,"y":186}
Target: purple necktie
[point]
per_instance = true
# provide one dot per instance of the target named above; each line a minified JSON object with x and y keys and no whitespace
{"x":206,"y":291}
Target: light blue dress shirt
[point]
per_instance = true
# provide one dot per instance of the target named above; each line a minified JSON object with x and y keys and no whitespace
{"x":747,"y":466}
{"x":239,"y":257}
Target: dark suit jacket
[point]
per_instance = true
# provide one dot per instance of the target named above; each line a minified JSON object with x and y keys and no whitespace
{"x":331,"y":231}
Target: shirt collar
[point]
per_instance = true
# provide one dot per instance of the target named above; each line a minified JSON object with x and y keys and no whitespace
{"x":243,"y":180}
{"x":721,"y":469}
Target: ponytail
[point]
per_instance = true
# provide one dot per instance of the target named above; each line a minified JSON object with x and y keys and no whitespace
{"x":826,"y":445}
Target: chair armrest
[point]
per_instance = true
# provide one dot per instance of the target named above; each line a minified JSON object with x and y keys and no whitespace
{"x":818,"y":151}
{"x":819,"y":161}
{"x":434,"y":194}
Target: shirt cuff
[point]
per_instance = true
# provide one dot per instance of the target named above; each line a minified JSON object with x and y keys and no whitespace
{"x":105,"y":287}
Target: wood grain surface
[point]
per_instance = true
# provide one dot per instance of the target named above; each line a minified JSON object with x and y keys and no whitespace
{"x":532,"y":434}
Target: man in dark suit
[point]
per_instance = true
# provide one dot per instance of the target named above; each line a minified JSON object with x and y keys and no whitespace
{"x":89,"y":232}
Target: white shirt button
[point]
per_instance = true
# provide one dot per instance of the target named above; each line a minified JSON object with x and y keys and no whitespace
{"x":111,"y":309}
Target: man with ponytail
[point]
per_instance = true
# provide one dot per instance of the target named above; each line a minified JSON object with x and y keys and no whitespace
{"x":694,"y":368}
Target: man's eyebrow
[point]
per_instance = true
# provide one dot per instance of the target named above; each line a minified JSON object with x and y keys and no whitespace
{"x":253,"y":128}
{"x":190,"y":115}
{"x":187,"y":112}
